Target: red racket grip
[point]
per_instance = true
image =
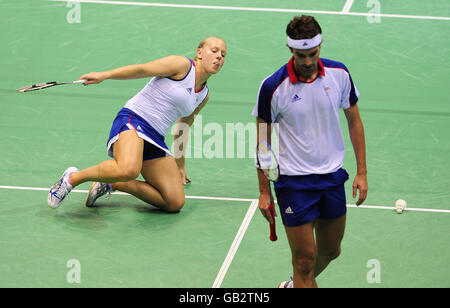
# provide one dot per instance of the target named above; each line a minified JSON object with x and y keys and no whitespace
{"x":273,"y":232}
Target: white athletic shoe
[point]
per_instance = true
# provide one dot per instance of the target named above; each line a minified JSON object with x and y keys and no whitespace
{"x":286,"y":284}
{"x":97,"y":190}
{"x":61,"y":189}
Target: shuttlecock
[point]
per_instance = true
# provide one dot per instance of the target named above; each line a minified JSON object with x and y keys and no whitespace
{"x":400,"y":206}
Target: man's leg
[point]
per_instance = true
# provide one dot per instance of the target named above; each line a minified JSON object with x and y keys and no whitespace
{"x":329,"y":235}
{"x":303,"y":249}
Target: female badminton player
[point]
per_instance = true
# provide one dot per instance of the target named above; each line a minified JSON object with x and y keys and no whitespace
{"x":177,"y":91}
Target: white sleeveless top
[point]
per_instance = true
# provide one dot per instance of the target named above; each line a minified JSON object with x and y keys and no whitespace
{"x":164,"y":100}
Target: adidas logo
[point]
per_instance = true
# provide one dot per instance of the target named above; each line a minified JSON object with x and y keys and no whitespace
{"x":189,"y":90}
{"x":296,"y":98}
{"x":139,"y":127}
{"x":289,"y":210}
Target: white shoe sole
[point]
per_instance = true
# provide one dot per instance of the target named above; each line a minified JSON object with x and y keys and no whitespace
{"x":87,"y":203}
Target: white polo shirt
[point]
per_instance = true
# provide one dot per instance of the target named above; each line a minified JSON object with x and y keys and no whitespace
{"x":307,"y":113}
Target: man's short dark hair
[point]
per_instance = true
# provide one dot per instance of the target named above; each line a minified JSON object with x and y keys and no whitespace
{"x":303,"y":27}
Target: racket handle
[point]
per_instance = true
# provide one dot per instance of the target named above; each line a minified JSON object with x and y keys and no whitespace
{"x":79,"y":81}
{"x":273,"y":232}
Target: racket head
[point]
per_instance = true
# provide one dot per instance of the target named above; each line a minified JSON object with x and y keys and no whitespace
{"x":267,"y":161}
{"x":37,"y":86}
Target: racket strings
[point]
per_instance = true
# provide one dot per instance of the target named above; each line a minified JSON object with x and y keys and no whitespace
{"x":267,"y":162}
{"x":37,"y":86}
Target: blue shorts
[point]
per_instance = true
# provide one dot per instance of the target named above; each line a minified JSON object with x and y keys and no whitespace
{"x":154,"y":145}
{"x":302,"y":199}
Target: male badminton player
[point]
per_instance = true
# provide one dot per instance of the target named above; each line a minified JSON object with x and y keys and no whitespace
{"x":177,"y":91}
{"x":304,"y":98}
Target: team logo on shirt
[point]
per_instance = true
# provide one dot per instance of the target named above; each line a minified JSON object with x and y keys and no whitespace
{"x":296,"y":98}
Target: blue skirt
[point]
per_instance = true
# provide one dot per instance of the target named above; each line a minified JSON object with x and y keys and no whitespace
{"x":154,"y":145}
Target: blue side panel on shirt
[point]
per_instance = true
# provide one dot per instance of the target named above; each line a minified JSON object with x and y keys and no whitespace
{"x":336,"y":64}
{"x":266,"y":92}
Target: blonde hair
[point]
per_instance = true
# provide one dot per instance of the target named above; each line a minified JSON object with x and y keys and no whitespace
{"x":204,"y":41}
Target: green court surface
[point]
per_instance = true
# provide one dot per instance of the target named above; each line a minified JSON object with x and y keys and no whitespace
{"x":219,"y":239}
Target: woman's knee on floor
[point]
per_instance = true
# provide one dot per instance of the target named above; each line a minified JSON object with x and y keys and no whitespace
{"x":174,"y":203}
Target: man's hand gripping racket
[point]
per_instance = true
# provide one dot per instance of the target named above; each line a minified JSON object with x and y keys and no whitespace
{"x":267,"y":162}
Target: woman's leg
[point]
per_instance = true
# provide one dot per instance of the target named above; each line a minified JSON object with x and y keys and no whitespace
{"x":125,"y":166}
{"x":162,"y":187}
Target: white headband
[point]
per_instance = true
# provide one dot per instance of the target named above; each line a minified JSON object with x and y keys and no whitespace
{"x":305,"y":44}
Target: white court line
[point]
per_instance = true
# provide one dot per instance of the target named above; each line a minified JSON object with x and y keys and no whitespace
{"x":122,"y":193}
{"x":235,"y":245}
{"x":233,"y":199}
{"x":347,"y":6}
{"x":393,"y":208}
{"x":254,"y":9}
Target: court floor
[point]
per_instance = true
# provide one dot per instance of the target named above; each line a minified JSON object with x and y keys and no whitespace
{"x":397,"y":61}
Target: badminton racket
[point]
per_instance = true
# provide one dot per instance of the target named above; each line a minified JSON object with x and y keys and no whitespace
{"x":44,"y":85}
{"x":268,"y":164}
